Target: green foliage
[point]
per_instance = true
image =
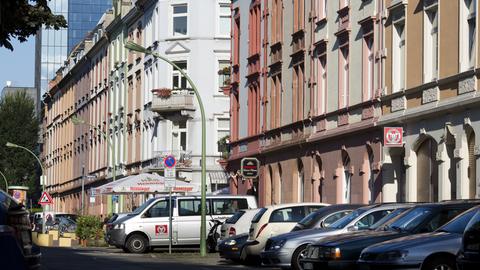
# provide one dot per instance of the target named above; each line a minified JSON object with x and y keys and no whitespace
{"x":20,"y":19}
{"x":223,"y":146}
{"x":19,"y":125}
{"x":89,"y":227}
{"x":36,"y":210}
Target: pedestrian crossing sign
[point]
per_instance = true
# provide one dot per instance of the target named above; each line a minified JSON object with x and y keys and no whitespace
{"x":45,"y":199}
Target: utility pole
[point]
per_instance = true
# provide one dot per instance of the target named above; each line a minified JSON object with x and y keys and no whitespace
{"x":83,"y":189}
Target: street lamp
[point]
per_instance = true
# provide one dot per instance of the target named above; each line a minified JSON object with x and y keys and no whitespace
{"x":135,"y":47}
{"x":42,"y":178}
{"x":79,"y":121}
{"x":6,"y":182}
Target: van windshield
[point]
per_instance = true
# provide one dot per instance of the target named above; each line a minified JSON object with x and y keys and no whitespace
{"x":142,"y":207}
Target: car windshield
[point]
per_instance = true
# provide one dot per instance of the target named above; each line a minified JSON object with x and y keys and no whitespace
{"x":388,"y":218}
{"x":458,"y":224}
{"x":259,"y":215}
{"x":309,"y":220}
{"x":233,"y":219}
{"x":344,"y":221}
{"x":410,"y":220}
{"x":142,"y":207}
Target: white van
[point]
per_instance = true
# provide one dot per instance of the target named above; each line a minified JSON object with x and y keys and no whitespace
{"x":148,"y":225}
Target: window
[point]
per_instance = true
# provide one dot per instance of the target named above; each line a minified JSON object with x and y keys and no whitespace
{"x":321,"y":9}
{"x":254,"y":109}
{"x":276,"y":101}
{"x":277,"y":21}
{"x":223,"y":73}
{"x":347,"y":178}
{"x":344,"y":73}
{"x":291,"y":214}
{"x":298,"y":92}
{"x":224,"y":15}
{"x":178,"y":81}
{"x":179,"y":135}
{"x":322,"y":80}
{"x":228,"y":206}
{"x":233,"y":219}
{"x":259,"y":215}
{"x":370,"y":219}
{"x":223,"y":130}
{"x":472,"y":234}
{"x":334,"y":217}
{"x":398,"y":44}
{"x":467,"y":33}
{"x":430,"y":61}
{"x":298,"y":15}
{"x":160,"y":209}
{"x":180,"y":20}
{"x":191,"y":207}
{"x":369,"y":65}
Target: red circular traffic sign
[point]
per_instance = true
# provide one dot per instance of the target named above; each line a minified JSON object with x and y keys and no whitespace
{"x":170,"y":161}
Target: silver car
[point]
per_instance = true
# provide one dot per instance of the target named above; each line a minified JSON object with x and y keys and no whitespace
{"x":428,"y":251}
{"x":285,"y":250}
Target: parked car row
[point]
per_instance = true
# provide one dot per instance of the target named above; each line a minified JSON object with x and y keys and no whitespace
{"x":379,"y":236}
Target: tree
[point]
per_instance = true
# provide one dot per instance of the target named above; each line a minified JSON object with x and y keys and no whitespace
{"x":18,"y":124}
{"x":20,"y":19}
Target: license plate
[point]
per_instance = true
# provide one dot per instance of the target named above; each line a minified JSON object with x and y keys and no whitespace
{"x":308,"y":266}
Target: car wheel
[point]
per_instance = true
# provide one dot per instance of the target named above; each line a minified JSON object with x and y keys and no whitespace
{"x":297,"y":255}
{"x":137,"y":244}
{"x":440,"y":264}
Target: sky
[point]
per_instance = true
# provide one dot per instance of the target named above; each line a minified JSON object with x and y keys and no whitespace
{"x":18,"y":66}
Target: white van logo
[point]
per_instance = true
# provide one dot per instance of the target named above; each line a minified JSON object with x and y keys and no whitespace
{"x":161,"y":229}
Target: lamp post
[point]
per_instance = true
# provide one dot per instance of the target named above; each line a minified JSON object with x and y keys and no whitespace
{"x":135,"y":47}
{"x":42,"y":178}
{"x":78,"y":121}
{"x":6,"y":182}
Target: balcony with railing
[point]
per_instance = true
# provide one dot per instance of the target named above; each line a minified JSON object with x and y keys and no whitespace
{"x":171,"y":101}
{"x":184,"y":159}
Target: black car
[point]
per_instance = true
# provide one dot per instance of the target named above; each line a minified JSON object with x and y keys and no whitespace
{"x":469,"y":256}
{"x":325,"y":216}
{"x":342,"y":251}
{"x":231,"y":248}
{"x":16,"y":248}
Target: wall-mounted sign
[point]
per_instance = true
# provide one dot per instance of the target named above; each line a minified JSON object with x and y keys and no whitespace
{"x":249,"y":167}
{"x":393,"y":136}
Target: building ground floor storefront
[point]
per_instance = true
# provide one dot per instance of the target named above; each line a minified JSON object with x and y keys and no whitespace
{"x":439,"y":160}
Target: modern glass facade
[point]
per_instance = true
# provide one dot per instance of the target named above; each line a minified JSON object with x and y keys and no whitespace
{"x":53,"y":46}
{"x":83,"y":16}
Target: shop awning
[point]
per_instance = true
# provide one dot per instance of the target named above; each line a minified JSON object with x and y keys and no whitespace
{"x":144,"y":183}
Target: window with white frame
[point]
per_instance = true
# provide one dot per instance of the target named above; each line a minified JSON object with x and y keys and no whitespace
{"x":344,"y":70}
{"x":430,"y":36}
{"x":398,"y":49}
{"x":223,"y":73}
{"x":468,"y":20}
{"x":322,"y":79}
{"x":178,"y":81}
{"x":224,"y":15}
{"x":223,"y":130}
{"x":179,"y":135}
{"x":180,"y":20}
{"x":321,"y":9}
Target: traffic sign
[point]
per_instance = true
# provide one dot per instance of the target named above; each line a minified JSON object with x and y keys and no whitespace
{"x":45,"y":199}
{"x":249,"y":167}
{"x":170,"y":161}
{"x":170,"y":177}
{"x":393,"y":136}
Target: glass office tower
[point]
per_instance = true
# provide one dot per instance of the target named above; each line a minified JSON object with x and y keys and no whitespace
{"x":53,"y":46}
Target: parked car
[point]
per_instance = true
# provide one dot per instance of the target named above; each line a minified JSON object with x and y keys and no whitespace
{"x":325,"y":216}
{"x":426,"y":251}
{"x":285,"y":250}
{"x":469,"y":256}
{"x":343,"y":251}
{"x":17,"y":249}
{"x":239,"y":223}
{"x":274,"y":220}
{"x":148,"y":225}
{"x":231,"y":248}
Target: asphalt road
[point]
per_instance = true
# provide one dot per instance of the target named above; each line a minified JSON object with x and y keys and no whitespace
{"x":115,"y":259}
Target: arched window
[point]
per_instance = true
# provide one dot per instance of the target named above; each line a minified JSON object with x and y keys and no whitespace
{"x":427,"y":171}
{"x":472,"y":164}
{"x":301,"y":181}
{"x":347,"y":194}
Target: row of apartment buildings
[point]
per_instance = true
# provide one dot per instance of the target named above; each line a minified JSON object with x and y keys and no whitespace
{"x":314,"y":83}
{"x":114,"y":112}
